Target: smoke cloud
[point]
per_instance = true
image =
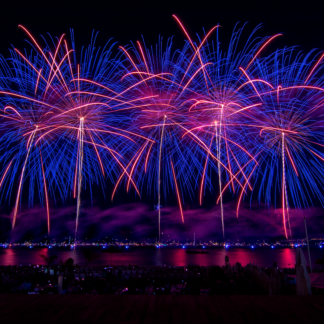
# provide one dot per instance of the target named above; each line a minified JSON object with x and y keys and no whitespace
{"x":138,"y":222}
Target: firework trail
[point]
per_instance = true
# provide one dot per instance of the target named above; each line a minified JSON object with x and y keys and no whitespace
{"x":165,"y":78}
{"x":61,"y":118}
{"x":163,"y":122}
{"x":219,"y":110}
{"x":288,"y":126}
{"x":155,"y":76}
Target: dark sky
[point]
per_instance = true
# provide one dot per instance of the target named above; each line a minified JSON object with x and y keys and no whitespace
{"x":300,"y":21}
{"x":302,"y":24}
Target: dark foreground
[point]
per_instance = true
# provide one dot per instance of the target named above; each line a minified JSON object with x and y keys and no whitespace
{"x":161,"y":309}
{"x":134,"y":280}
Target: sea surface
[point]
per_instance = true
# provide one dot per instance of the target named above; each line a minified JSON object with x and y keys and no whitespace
{"x":261,"y":256}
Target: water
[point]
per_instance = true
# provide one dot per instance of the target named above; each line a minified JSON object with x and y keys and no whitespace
{"x":261,"y":256}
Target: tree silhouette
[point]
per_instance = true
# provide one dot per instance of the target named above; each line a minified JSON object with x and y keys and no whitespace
{"x":49,"y":260}
{"x":67,"y":264}
{"x":89,"y":255}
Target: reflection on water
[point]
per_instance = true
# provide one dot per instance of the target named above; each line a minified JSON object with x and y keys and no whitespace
{"x":285,"y":257}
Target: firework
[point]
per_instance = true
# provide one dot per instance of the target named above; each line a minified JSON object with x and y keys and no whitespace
{"x":218,"y":114}
{"x":63,"y":119}
{"x":288,"y":127}
{"x":160,"y":164}
{"x":164,"y":122}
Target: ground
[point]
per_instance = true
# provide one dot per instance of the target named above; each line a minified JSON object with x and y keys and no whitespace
{"x":160,"y":309}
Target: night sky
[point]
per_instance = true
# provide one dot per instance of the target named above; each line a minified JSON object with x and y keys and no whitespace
{"x":301,"y":23}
